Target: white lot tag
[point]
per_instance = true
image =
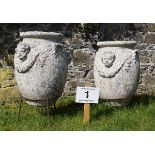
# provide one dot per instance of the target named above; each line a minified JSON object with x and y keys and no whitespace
{"x":87,"y":95}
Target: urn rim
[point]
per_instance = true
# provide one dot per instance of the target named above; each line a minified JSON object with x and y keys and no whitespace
{"x":42,"y":35}
{"x":129,"y":44}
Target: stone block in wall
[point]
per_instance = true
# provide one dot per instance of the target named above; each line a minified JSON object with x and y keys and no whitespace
{"x":146,"y":78}
{"x":79,"y":74}
{"x":143,"y":69}
{"x":149,"y":80}
{"x":151,"y":47}
{"x":71,"y":84}
{"x":151,"y":69}
{"x":140,"y":79}
{"x":84,"y":55}
{"x":90,"y":75}
{"x":70,"y":87}
{"x":150,"y":38}
{"x":144,"y":59}
{"x":75,"y":43}
{"x":149,"y":53}
{"x":142,"y":52}
{"x":153,"y":57}
{"x":141,"y":46}
{"x":139,"y":37}
{"x":151,"y":27}
{"x":149,"y":83}
{"x":143,"y":90}
{"x":81,"y":83}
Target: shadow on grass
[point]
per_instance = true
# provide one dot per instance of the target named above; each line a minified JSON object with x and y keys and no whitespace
{"x":102,"y":110}
{"x":144,"y":100}
{"x":97,"y":110}
{"x":69,"y":110}
{"x":107,"y":111}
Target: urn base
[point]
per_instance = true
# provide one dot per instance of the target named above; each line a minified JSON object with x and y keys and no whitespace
{"x":40,"y":103}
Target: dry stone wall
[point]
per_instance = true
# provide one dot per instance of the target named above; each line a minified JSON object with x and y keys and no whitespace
{"x":146,"y":47}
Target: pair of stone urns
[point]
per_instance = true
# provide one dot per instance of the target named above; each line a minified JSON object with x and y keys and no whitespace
{"x":41,"y":66}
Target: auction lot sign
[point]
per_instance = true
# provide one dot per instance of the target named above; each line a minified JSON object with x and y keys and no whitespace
{"x":87,"y":95}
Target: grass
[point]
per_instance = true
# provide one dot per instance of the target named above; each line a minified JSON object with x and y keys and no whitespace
{"x":68,"y":116}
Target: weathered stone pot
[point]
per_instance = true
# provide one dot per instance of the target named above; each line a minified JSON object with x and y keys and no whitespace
{"x":41,"y":66}
{"x":117,"y":71}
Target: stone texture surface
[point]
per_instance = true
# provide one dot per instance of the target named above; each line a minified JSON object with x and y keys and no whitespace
{"x":150,"y":38}
{"x":144,"y":59}
{"x":147,"y":67}
{"x":116,"y":71}
{"x":84,"y":55}
{"x":41,"y":66}
{"x":141,"y":46}
{"x":139,"y":37}
{"x":151,"y":27}
{"x":153,"y":57}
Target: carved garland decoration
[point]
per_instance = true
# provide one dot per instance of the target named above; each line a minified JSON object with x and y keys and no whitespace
{"x":26,"y":56}
{"x":116,"y":63}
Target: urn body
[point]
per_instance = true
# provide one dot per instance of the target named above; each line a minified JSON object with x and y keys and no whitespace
{"x":117,"y":71}
{"x":41,"y":66}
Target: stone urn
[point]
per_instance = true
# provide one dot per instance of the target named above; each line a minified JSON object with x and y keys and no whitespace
{"x":41,"y":66}
{"x":116,"y":71}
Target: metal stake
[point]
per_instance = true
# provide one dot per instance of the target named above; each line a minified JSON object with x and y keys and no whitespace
{"x":19,"y":111}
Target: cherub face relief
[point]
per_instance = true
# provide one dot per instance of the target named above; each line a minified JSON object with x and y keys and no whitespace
{"x":108,"y":59}
{"x":22,"y":51}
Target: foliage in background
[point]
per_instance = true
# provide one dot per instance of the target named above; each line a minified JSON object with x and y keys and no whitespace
{"x":108,"y":31}
{"x":8,"y":37}
{"x":8,"y":41}
{"x":89,"y":28}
